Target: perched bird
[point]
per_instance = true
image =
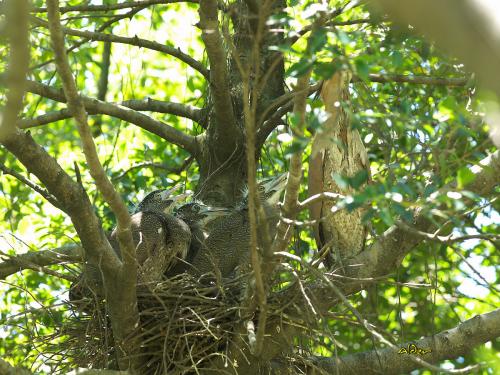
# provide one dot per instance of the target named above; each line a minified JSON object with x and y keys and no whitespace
{"x":161,"y":200}
{"x":337,"y":149}
{"x":197,"y":216}
{"x":228,"y":243}
{"x":159,"y":238}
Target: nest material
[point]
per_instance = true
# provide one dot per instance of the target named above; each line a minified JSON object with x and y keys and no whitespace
{"x":183,"y":324}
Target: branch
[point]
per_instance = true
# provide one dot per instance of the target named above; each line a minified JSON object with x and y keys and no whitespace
{"x":226,"y":125}
{"x":120,"y":284}
{"x":164,"y":131}
{"x":193,"y":113}
{"x":447,"y":344}
{"x":271,"y":117}
{"x":38,"y":259}
{"x":107,"y":8}
{"x":135,"y":41}
{"x":388,"y":250}
{"x":44,"y":193}
{"x":468,"y":29}
{"x":420,"y":80}
{"x":17,"y":32}
{"x":177,"y":109}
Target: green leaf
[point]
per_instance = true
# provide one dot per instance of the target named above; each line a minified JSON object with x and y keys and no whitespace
{"x":362,"y":69}
{"x":464,"y":177}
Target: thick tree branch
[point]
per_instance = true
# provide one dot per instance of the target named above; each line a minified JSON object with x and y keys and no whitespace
{"x":70,"y":194}
{"x":17,"y":12}
{"x":226,"y":126}
{"x":170,"y":134}
{"x":120,"y":284}
{"x":447,"y":344}
{"x":135,"y":41}
{"x":176,"y":109}
{"x":37,"y":259}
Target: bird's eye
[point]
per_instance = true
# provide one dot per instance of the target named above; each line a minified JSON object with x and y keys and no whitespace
{"x":196,"y":207}
{"x":261,"y":188}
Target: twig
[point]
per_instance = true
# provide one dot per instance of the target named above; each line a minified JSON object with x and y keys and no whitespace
{"x":37,"y":259}
{"x":110,"y":7}
{"x":43,"y":192}
{"x":135,"y":41}
{"x":177,"y":170}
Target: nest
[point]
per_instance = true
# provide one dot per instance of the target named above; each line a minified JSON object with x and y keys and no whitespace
{"x":185,"y":326}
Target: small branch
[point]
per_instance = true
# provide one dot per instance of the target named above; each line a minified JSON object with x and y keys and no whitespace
{"x":107,"y":8}
{"x":47,"y":118}
{"x":103,"y":27}
{"x":135,"y":41}
{"x":290,"y":204}
{"x":17,"y":31}
{"x":225,"y":121}
{"x":159,"y":128}
{"x":420,"y":80}
{"x":448,"y":240}
{"x":44,"y":193}
{"x":177,"y":109}
{"x":168,"y":170}
{"x":36,"y":260}
{"x":447,"y":344}
{"x":120,"y":284}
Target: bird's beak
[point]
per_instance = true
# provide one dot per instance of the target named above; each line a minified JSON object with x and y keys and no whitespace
{"x":210,"y":213}
{"x":167,"y":193}
{"x":274,"y":186}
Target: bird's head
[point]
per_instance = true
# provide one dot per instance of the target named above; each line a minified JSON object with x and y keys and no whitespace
{"x":200,"y":213}
{"x":268,"y":190}
{"x":162,"y":200}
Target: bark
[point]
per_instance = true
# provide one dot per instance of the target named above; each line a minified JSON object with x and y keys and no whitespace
{"x":36,"y":260}
{"x":448,"y":344}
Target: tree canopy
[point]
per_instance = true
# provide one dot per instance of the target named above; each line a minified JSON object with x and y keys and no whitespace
{"x":104,"y":102}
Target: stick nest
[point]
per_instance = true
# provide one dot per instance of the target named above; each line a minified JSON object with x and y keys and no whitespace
{"x":183,"y":326}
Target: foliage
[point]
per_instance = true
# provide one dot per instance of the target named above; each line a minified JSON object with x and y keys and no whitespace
{"x":419,"y":138}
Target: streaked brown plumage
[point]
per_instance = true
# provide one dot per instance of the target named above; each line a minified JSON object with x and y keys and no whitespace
{"x":337,"y":149}
{"x":228,"y":245}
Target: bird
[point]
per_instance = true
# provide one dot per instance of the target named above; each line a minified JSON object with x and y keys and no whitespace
{"x":155,"y":231}
{"x":227,"y":246}
{"x":337,"y":149}
{"x":161,"y":200}
{"x":197,"y":216}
